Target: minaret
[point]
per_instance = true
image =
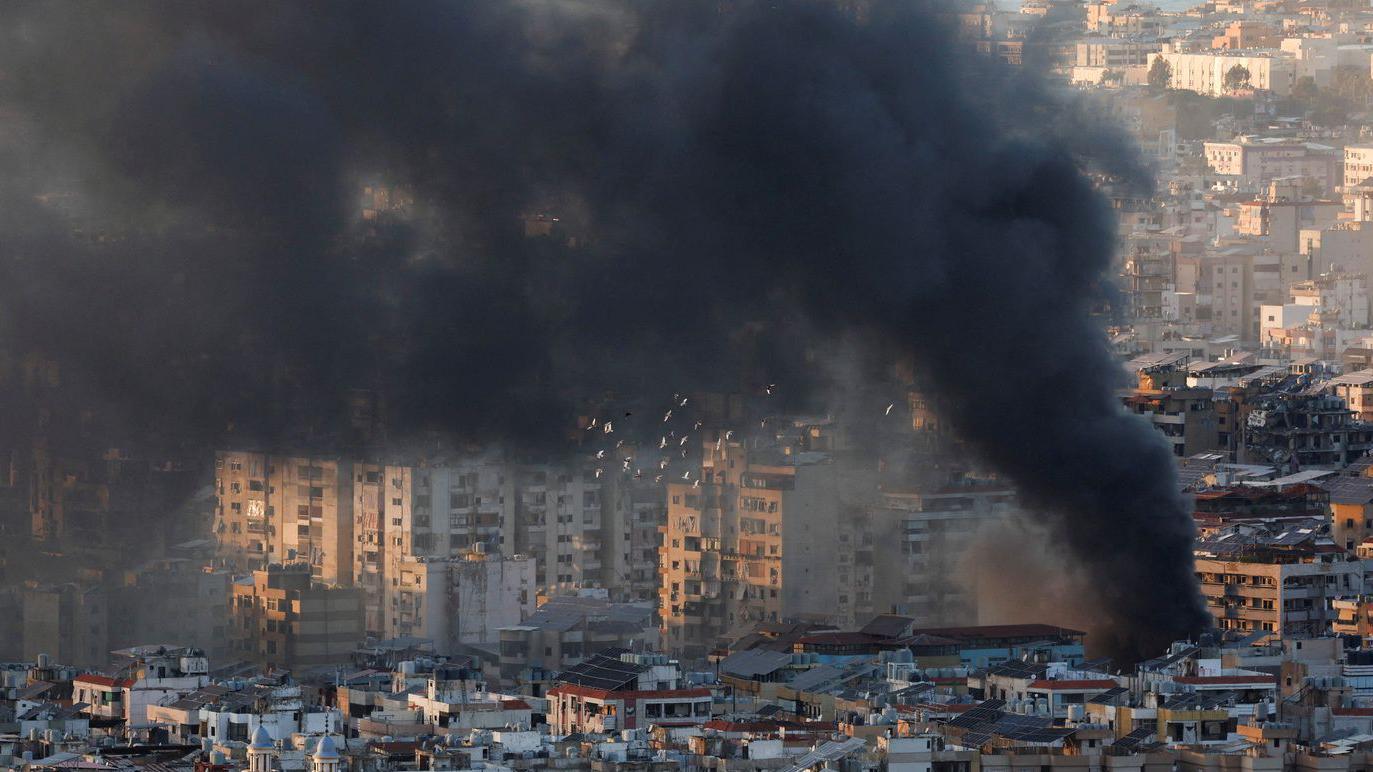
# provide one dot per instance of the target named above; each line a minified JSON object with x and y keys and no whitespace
{"x":326,"y":758}
{"x":260,"y":751}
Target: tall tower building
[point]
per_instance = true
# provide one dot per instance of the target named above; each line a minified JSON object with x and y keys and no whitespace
{"x":285,"y":509}
{"x":755,"y":540}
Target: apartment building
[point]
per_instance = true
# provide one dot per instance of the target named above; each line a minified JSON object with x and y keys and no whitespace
{"x":1344,"y":293}
{"x":171,"y":600}
{"x":1113,"y":53}
{"x":566,"y":630}
{"x":1110,"y":18}
{"x":1258,"y":161}
{"x":753,"y":539}
{"x":362,"y":523}
{"x":1283,"y":211}
{"x":638,"y":510}
{"x":68,"y":622}
{"x":150,"y":675}
{"x":1356,"y":389}
{"x":280,"y":618}
{"x":380,"y":495}
{"x":1358,"y":167}
{"x":561,"y":519}
{"x":84,"y":497}
{"x":462,"y":600}
{"x":285,"y":509}
{"x":1224,"y":282}
{"x":1279,"y":580}
{"x":1336,"y":301}
{"x":1148,"y":274}
{"x":1344,"y":246}
{"x":1187,"y":417}
{"x":916,"y":540}
{"x":609,"y":694}
{"x":1244,"y":34}
{"x":1351,"y":511}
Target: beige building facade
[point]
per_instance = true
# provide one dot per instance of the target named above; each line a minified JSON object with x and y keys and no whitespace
{"x":754,"y":540}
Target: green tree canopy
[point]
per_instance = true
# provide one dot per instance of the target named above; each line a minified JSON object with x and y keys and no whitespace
{"x":1236,"y":78}
{"x":1160,"y":74}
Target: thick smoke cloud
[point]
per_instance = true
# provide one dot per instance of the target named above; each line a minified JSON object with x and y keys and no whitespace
{"x":736,"y":180}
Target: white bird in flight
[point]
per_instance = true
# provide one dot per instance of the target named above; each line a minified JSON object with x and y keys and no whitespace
{"x":600,"y":454}
{"x":667,"y":417}
{"x":889,"y":407}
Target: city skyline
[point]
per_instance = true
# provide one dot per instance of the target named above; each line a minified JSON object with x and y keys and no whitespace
{"x":861,"y":385}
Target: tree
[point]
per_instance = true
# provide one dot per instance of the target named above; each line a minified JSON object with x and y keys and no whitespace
{"x":1160,"y":74}
{"x":1236,"y":78}
{"x":1305,"y":90}
{"x":1352,"y":84}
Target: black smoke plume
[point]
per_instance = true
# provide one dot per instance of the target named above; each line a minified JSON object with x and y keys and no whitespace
{"x":181,"y":225}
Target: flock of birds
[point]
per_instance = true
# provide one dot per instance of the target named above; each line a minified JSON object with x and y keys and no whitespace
{"x":678,"y":444}
{"x":665,"y":442}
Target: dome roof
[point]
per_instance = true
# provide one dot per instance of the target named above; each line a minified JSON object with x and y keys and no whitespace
{"x":326,"y":751}
{"x":262,"y":740}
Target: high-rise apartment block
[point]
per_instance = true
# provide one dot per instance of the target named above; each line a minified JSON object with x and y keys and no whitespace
{"x":67,"y":621}
{"x":286,"y":509}
{"x":914,"y":545}
{"x":754,"y":539}
{"x":367,"y":525}
{"x":464,"y":600}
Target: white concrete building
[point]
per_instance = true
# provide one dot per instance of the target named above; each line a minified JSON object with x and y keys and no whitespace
{"x":157,"y":674}
{"x":1205,"y":72}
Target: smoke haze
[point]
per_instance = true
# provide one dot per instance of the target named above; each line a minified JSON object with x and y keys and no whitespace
{"x":735,"y":182}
